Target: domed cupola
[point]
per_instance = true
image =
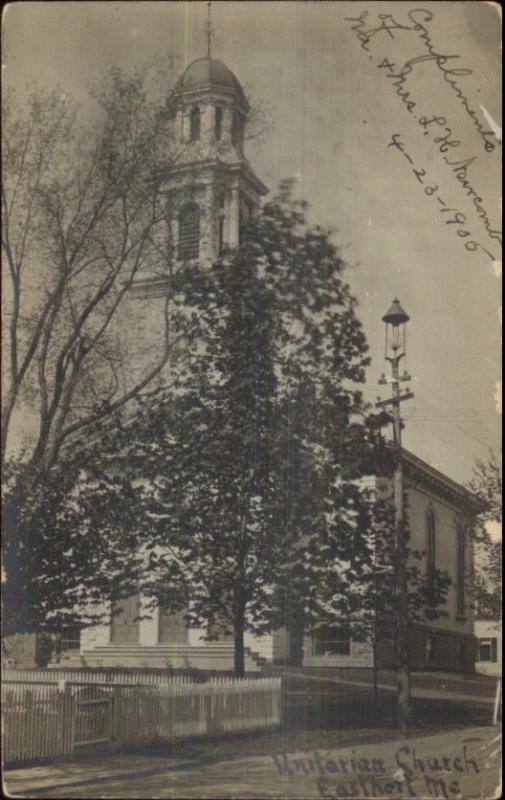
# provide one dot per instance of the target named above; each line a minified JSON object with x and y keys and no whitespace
{"x":209,"y":111}
{"x":209,"y":74}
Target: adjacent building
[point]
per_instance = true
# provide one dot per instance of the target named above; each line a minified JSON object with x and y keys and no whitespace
{"x":489,"y":638}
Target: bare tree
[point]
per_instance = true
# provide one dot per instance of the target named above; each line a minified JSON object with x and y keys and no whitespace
{"x":84,"y":214}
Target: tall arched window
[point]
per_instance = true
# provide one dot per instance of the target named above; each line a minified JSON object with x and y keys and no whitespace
{"x":194,"y":124}
{"x":460,"y":572}
{"x":244,"y":218}
{"x":189,"y":231}
{"x":237,"y":132}
{"x":430,"y":547}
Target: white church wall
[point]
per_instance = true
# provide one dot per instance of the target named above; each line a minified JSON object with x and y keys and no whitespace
{"x":261,"y":645}
{"x":280,"y":645}
{"x":419,"y":501}
{"x":149,"y":625}
{"x":96,"y":635}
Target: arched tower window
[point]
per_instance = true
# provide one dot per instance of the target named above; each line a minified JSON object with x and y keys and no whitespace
{"x":430,"y":545}
{"x":194,"y":124}
{"x":245,"y":215}
{"x":237,"y":133}
{"x":189,"y":231}
{"x":218,"y":123}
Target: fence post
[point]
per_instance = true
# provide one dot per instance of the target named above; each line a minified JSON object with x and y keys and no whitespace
{"x":114,"y":709}
{"x":65,"y":719}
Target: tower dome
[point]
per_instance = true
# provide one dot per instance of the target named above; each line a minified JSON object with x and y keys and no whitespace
{"x":210,"y":74}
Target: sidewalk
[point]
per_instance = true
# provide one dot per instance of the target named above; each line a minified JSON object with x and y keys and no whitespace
{"x":463,"y":763}
{"x":433,"y":686}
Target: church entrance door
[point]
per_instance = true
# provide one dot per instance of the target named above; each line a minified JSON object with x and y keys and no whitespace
{"x":125,"y":622}
{"x":172,"y":628}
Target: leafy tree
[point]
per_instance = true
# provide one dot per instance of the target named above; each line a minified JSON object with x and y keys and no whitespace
{"x":75,"y":545}
{"x":255,"y":451}
{"x":370,"y":605}
{"x":324,"y":433}
{"x":487,"y":584}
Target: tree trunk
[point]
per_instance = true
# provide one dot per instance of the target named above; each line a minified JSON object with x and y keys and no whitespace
{"x":375,"y":668}
{"x":238,"y":640}
{"x":296,"y":634}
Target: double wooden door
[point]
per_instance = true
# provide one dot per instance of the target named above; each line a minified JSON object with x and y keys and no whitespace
{"x":125,"y":620}
{"x":172,"y":628}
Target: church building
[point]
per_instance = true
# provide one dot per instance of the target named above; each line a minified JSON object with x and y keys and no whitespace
{"x":211,"y":193}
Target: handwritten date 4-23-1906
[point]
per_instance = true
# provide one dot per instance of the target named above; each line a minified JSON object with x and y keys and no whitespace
{"x":454,"y":216}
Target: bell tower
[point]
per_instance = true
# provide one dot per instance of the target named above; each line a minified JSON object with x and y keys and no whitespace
{"x":208,"y":195}
{"x":212,"y":190}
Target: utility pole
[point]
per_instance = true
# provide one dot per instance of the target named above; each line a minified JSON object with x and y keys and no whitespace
{"x":395,"y":349}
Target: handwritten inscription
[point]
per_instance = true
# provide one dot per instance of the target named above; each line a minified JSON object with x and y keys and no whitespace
{"x":453,"y":215}
{"x":417,"y":17}
{"x":382,"y":30}
{"x":365,"y":777}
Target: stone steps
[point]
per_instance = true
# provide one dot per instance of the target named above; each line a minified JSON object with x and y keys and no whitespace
{"x":210,"y":656}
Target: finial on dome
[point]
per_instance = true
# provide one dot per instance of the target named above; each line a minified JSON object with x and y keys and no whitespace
{"x":209,"y":29}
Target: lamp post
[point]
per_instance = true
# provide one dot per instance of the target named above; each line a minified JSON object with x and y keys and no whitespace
{"x":395,"y":349}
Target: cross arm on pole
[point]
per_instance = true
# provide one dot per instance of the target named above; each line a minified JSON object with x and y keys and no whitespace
{"x":394,"y":400}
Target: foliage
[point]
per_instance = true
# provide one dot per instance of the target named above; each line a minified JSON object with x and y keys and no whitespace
{"x":247,"y":462}
{"x":68,"y":543}
{"x":372,"y":619}
{"x":486,"y":483}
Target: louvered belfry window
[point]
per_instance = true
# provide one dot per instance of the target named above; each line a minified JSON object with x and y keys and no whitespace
{"x":189,"y":231}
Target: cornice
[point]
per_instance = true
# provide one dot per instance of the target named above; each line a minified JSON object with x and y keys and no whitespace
{"x":241,"y":167}
{"x":425,"y":476}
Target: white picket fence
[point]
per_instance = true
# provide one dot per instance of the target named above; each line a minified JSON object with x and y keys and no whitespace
{"x":48,"y":721}
{"x":85,"y":676}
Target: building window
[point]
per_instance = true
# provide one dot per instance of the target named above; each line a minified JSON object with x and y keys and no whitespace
{"x":332,"y":640}
{"x":488,"y":649}
{"x":194,"y":124}
{"x":237,"y":133}
{"x":189,"y":231}
{"x":430,"y":548}
{"x":460,"y":574}
{"x":218,"y":123}
{"x":245,"y":215}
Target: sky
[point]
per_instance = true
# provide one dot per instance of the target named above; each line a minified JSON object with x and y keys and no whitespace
{"x":333,"y":112}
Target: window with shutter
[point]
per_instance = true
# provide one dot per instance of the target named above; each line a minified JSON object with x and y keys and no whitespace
{"x":430,"y":547}
{"x":488,"y":649}
{"x":189,"y":231}
{"x":332,"y":640}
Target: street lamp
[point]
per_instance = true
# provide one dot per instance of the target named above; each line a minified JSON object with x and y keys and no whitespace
{"x":395,"y":344}
{"x":395,"y":349}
